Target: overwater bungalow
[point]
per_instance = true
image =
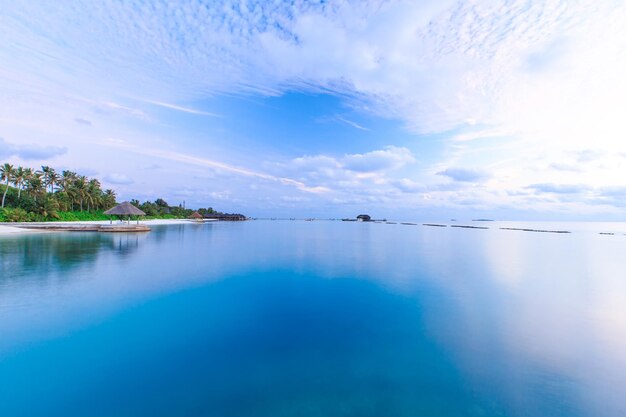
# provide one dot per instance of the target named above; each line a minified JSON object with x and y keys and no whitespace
{"x":226,"y":217}
{"x":199,"y":218}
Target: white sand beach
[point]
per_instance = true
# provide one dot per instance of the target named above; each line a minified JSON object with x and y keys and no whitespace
{"x":5,"y":229}
{"x":12,"y":229}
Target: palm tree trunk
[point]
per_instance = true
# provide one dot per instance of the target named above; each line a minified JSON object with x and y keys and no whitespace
{"x":4,"y":196}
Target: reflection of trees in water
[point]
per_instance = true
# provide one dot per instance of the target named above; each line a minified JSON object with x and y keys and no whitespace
{"x":41,"y":254}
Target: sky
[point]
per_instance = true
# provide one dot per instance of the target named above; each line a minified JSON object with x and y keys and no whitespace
{"x":510,"y":110}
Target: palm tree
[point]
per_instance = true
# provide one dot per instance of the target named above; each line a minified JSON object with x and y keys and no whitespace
{"x":108,"y":198}
{"x":53,"y":179}
{"x":35,"y":185}
{"x":45,"y":170}
{"x":18,"y":178}
{"x":93,"y":194}
{"x":80,"y":189}
{"x":28,"y":174}
{"x":65,"y":184}
{"x":7,"y":173}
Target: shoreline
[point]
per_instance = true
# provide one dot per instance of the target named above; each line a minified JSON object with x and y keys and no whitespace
{"x":599,"y":228}
{"x":12,"y":229}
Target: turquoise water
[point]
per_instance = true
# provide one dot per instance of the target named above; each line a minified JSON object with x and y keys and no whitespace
{"x":273,"y":318}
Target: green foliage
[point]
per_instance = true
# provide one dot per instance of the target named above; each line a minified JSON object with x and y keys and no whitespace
{"x":77,"y":216}
{"x":45,"y":195}
{"x":11,"y":196}
{"x":206,"y":211}
{"x":15,"y":215}
{"x":160,"y":209}
{"x":48,"y":208}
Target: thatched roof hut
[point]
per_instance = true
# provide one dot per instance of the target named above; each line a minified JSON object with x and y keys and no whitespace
{"x":196,"y":216}
{"x":125,"y":209}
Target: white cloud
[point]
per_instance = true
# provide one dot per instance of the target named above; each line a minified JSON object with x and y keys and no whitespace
{"x":370,"y":177}
{"x":333,"y":171}
{"x":221,"y":195}
{"x":118,"y":179}
{"x":220,"y":166}
{"x":82,"y":121}
{"x":527,"y":91}
{"x":560,"y":188}
{"x":391,"y":157}
{"x":465,"y":174}
{"x":30,"y":152}
{"x":565,"y":167}
{"x":433,"y":64}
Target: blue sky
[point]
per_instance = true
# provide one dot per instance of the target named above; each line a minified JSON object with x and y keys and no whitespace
{"x":402,"y":109}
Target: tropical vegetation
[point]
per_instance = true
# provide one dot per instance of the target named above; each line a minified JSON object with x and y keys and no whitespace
{"x":49,"y":195}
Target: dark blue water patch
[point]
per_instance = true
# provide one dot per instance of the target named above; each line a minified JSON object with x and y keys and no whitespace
{"x":272,"y":344}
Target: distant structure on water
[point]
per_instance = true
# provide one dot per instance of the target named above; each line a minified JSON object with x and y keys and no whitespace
{"x":226,"y":217}
{"x":360,"y":218}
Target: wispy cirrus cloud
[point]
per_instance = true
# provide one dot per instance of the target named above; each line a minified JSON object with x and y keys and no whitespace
{"x":351,"y":123}
{"x":181,"y":108}
{"x":399,"y":59}
{"x":218,"y":165}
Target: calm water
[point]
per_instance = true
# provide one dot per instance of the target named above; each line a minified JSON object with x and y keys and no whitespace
{"x":314,"y":319}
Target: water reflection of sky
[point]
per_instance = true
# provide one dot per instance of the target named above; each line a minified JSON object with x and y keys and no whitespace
{"x":532,"y":321}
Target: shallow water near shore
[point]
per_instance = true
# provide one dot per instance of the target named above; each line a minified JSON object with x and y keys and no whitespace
{"x":292,"y":318}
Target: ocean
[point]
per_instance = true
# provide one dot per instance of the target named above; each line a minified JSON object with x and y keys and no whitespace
{"x":321,"y":318}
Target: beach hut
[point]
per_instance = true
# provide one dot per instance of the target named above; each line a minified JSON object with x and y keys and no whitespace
{"x":125,"y":209}
{"x":196,"y":217}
